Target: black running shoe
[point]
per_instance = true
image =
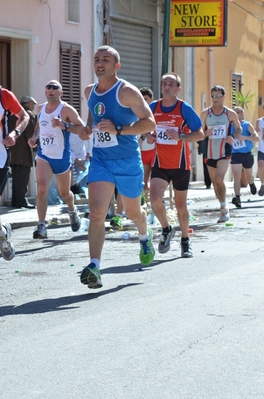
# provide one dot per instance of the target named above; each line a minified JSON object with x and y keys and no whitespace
{"x":236,"y":202}
{"x":253,"y":188}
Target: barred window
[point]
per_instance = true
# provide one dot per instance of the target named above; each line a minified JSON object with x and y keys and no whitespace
{"x":73,"y":11}
{"x":70,"y":73}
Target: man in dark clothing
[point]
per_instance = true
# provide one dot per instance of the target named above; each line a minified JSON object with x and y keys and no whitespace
{"x":202,"y":149}
{"x":21,"y":158}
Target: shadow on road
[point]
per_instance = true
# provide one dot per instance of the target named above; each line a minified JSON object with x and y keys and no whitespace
{"x":56,"y":304}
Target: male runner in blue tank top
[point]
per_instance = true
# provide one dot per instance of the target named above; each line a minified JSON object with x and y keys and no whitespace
{"x":217,"y":121}
{"x":119,"y":113}
{"x":242,"y":157}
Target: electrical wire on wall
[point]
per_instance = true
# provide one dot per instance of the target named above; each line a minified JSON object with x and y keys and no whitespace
{"x":249,"y":12}
{"x":45,"y":2}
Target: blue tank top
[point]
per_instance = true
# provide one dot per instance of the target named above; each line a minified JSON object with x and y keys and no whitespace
{"x":107,"y":106}
{"x":245,"y":145}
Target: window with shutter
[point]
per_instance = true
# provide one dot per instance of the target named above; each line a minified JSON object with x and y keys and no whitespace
{"x":70,"y":77}
{"x":236,"y":86}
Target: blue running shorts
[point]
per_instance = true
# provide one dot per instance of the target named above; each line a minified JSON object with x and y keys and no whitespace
{"x":126,"y":174}
{"x":58,"y":166}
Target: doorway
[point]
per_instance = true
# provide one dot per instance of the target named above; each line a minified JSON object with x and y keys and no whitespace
{"x":5,"y":64}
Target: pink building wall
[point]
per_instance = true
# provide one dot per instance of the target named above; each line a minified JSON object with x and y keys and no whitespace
{"x":43,"y":24}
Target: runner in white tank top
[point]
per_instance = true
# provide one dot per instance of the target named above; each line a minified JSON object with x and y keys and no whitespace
{"x":216,"y":124}
{"x":55,"y":120}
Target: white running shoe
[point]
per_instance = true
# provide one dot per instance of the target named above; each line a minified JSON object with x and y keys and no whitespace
{"x":224,"y":215}
{"x":40,"y":231}
{"x":75,"y":219}
{"x":6,"y":247}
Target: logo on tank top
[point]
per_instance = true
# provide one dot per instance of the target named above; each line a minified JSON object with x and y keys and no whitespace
{"x":99,"y":109}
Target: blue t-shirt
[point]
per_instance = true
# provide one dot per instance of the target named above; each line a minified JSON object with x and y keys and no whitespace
{"x":246,"y":145}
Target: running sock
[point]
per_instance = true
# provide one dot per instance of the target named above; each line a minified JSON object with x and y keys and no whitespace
{"x":96,"y":262}
{"x":143,"y":237}
{"x":166,"y":229}
{"x":222,"y":204}
{"x":184,"y":239}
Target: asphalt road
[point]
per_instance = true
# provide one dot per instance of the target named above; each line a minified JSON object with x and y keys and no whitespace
{"x":181,"y":328}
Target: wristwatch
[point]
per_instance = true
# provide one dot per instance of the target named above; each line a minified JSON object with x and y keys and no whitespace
{"x":143,"y":138}
{"x":67,"y":125}
{"x":118,"y":129}
{"x":182,"y":136}
{"x":18,"y":132}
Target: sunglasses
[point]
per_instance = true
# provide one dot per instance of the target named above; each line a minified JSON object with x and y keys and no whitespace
{"x":217,"y":95}
{"x":54,"y":87}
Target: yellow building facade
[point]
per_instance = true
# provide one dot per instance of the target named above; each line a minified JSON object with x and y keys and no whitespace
{"x":238,"y":66}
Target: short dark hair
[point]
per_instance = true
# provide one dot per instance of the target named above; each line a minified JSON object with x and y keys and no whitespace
{"x":146,"y":91}
{"x":218,"y":88}
{"x":111,"y":50}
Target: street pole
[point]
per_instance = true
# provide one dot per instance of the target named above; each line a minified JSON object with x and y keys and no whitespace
{"x":166,"y":35}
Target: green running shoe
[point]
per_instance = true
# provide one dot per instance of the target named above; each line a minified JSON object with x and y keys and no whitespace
{"x":91,"y":276}
{"x":147,"y":250}
{"x":116,"y":221}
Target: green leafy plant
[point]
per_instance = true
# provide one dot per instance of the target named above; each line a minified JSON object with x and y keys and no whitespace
{"x":244,"y":101}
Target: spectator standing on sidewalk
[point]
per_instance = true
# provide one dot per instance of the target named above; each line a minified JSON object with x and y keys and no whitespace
{"x":217,"y":120}
{"x":21,"y":160}
{"x":242,"y":156}
{"x":8,"y":104}
{"x":202,"y":150}
{"x":55,"y":118}
{"x":119,"y":114}
{"x":79,"y":163}
{"x":177,"y":125}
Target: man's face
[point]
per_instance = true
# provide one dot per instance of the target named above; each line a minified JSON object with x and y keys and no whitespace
{"x":31,"y":105}
{"x":53,"y":90}
{"x":217,"y":97}
{"x":169,"y":87}
{"x":105,"y":64}
{"x":148,"y":99}
{"x":239,"y":113}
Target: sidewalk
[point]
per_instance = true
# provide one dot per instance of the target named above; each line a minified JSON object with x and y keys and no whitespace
{"x":58,"y":214}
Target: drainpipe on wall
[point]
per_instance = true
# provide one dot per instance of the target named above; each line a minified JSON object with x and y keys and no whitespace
{"x":211,"y":67}
{"x":106,"y":29}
